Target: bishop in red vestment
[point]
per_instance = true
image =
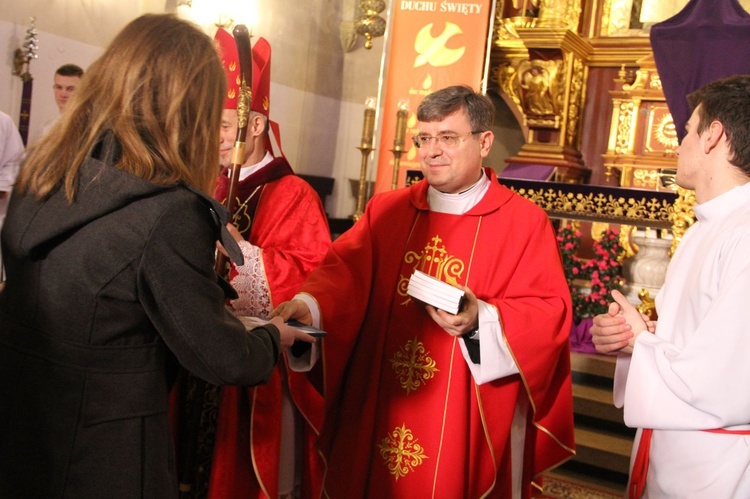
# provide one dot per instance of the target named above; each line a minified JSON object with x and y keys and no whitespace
{"x":422,"y":403}
{"x":264,"y":435}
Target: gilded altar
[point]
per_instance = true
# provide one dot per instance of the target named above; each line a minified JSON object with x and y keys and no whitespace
{"x":581,"y":80}
{"x":642,"y":135}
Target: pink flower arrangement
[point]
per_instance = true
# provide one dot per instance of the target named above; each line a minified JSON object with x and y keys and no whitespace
{"x":603,"y":272}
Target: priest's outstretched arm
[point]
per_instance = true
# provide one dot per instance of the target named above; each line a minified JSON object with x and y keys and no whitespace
{"x":477,"y":324}
{"x":303,"y":309}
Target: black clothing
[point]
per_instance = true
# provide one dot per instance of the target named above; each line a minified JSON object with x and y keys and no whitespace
{"x":103,"y":297}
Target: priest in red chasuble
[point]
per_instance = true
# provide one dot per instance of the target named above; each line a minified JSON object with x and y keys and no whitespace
{"x":264,"y":435}
{"x":420,"y":402}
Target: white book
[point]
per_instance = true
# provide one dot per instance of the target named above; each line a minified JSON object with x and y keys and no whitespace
{"x":422,"y":289}
{"x":451,"y":307}
{"x":435,"y":292}
{"x":434,"y":300}
{"x":443,"y":287}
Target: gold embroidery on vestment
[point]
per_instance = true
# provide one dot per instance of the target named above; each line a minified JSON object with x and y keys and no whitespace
{"x":435,"y":261}
{"x":413,"y":365}
{"x":401,"y":452}
{"x":241,"y":218}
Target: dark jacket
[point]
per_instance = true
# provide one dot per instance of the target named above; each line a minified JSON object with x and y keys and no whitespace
{"x":103,"y":298}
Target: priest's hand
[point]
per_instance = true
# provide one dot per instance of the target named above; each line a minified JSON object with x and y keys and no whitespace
{"x":293,"y":309}
{"x":615,"y":331}
{"x":465,"y":321}
{"x":290,"y":334}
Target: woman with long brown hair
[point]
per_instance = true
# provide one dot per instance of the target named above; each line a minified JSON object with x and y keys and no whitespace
{"x":109,"y":246}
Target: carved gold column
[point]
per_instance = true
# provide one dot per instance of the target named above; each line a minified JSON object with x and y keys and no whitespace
{"x":542,"y":75}
{"x":681,"y":215}
{"x":642,"y":137}
{"x":559,"y":13}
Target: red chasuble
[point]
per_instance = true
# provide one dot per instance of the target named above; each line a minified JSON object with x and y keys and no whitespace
{"x":404,"y":416}
{"x":282,"y":214}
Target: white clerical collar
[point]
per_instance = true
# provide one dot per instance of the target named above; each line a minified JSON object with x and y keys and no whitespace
{"x":246,"y":171}
{"x":725,"y":203}
{"x":458,"y":204}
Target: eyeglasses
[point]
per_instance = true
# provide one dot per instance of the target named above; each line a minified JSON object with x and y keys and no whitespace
{"x":444,"y":139}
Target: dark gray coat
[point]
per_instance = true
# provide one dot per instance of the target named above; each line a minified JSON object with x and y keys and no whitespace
{"x":103,"y":297}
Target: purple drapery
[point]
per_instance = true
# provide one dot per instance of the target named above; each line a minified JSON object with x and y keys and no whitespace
{"x":580,"y":336}
{"x":705,"y":41}
{"x":528,"y":171}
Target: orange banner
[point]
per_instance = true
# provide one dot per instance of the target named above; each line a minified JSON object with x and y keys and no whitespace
{"x":434,"y":44}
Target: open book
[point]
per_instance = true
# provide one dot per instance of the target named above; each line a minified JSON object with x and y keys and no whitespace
{"x":435,"y":292}
{"x":252,"y":322}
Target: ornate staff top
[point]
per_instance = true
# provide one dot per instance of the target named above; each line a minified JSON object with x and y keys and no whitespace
{"x":23,"y":55}
{"x":244,"y":100}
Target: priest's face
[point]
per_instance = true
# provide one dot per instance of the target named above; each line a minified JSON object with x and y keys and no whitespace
{"x":228,"y":136}
{"x":451,"y":155}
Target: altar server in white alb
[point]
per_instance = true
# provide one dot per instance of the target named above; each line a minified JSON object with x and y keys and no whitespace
{"x":687,"y":385}
{"x":11,"y":152}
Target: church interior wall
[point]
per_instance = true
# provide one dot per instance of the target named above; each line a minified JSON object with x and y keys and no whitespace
{"x":55,"y":50}
{"x":320,"y":78}
{"x":318,"y":89}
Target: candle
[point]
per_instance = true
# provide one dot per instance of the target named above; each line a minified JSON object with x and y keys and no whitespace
{"x":368,"y":128}
{"x":401,"y":115}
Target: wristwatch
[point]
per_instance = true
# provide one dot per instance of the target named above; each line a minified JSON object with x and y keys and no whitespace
{"x":473,"y":334}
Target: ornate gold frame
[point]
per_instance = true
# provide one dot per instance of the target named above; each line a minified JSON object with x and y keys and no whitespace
{"x":672,"y":209}
{"x":642,"y":138}
{"x":567,"y":38}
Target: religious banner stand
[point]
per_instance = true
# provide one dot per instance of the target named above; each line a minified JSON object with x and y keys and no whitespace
{"x":432,"y":45}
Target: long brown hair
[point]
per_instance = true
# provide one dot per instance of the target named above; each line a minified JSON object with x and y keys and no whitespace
{"x":159,"y":88}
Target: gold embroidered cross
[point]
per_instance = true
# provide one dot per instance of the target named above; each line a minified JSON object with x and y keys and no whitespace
{"x":401,"y":452}
{"x":413,"y":365}
{"x":433,"y":260}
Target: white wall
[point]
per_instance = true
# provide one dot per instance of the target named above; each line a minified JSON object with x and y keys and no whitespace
{"x":93,"y":22}
{"x":320,"y":137}
{"x":318,"y":90}
{"x":54,"y":51}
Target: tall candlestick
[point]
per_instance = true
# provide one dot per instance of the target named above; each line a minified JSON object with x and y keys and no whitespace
{"x":399,"y":138}
{"x":401,"y":115}
{"x":368,"y":132}
{"x":368,"y":127}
